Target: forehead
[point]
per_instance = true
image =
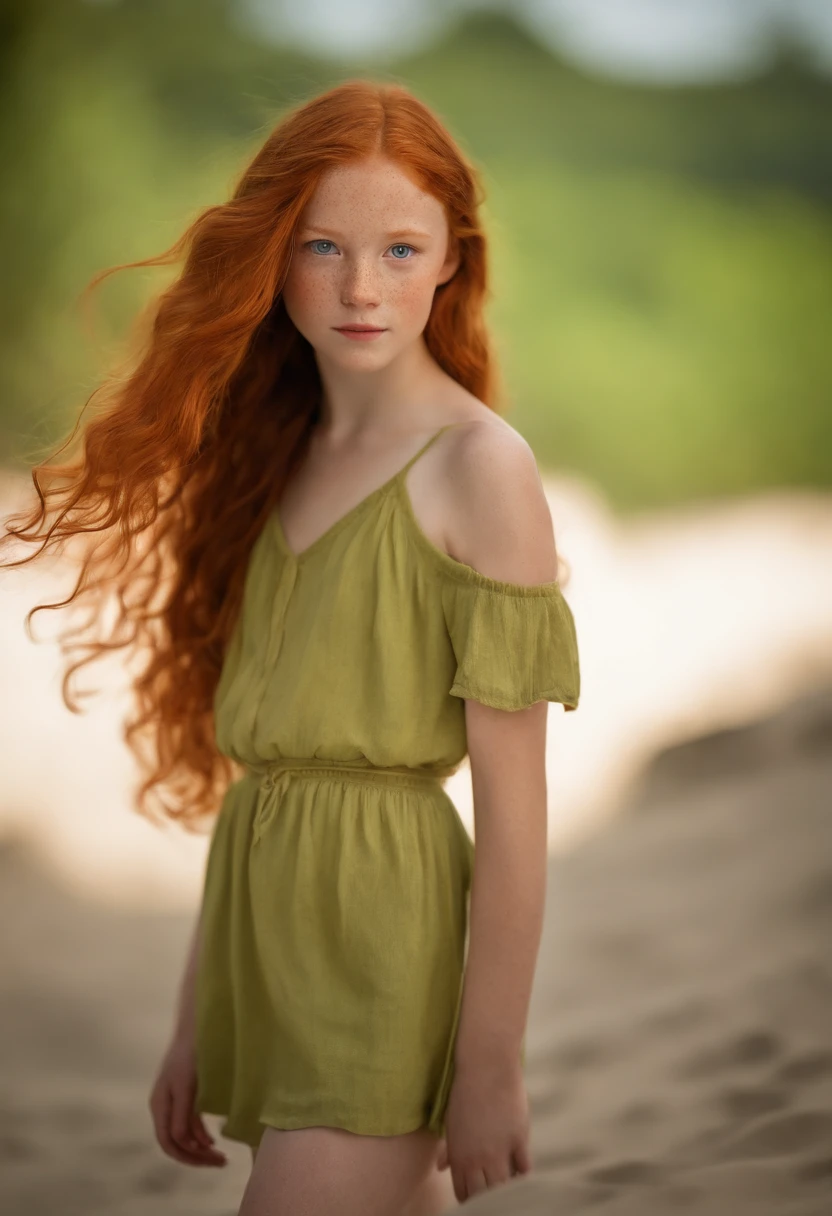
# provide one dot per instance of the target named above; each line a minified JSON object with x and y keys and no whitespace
{"x":373,"y":195}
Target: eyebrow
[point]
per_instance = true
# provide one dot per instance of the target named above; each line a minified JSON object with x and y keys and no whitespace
{"x":388,"y":235}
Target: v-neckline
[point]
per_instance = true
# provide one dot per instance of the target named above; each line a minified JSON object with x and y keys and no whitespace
{"x":344,"y":519}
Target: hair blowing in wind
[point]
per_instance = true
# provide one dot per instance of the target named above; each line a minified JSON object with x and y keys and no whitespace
{"x":170,"y":480}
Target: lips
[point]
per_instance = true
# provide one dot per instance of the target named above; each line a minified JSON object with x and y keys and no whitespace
{"x":360,"y":329}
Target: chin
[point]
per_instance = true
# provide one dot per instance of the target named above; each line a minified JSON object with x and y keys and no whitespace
{"x":363,"y":352}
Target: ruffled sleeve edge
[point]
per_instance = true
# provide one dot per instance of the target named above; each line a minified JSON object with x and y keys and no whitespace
{"x":538,"y":681}
{"x":468,"y":691}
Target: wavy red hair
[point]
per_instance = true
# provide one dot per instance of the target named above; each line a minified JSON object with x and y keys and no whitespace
{"x":193,"y":439}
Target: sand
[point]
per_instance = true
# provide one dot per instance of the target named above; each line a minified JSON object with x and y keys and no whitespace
{"x":680,"y":1038}
{"x":679,"y":1051}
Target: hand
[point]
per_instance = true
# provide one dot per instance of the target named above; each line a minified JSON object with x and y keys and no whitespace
{"x":487,"y":1128}
{"x":179,"y":1128}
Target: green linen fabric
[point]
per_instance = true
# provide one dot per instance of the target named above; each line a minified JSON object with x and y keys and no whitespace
{"x":337,"y":887}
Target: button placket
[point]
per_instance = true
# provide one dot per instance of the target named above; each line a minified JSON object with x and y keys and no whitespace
{"x":273,"y":782}
{"x":282,"y":595}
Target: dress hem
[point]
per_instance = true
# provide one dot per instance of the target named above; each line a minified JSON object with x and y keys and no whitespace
{"x":295,"y":1122}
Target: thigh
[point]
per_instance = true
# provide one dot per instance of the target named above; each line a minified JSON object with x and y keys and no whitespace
{"x":326,"y":1171}
{"x":434,"y":1197}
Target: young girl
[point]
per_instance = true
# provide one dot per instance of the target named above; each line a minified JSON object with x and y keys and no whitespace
{"x":339,"y":563}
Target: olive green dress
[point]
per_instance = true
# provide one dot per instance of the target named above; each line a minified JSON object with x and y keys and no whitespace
{"x":337,"y":887}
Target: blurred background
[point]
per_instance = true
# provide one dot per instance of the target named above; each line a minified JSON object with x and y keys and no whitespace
{"x":659,"y":204}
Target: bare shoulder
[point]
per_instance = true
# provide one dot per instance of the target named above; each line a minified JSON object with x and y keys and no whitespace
{"x":496,"y":515}
{"x":483,"y":448}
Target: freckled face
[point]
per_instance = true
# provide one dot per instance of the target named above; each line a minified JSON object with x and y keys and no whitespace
{"x":370,"y":249}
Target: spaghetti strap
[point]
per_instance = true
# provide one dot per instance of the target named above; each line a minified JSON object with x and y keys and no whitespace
{"x":423,"y":449}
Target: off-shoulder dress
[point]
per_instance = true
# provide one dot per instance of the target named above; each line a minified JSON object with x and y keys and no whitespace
{"x":337,"y":887}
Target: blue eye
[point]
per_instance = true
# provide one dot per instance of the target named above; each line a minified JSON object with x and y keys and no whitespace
{"x":324,"y":241}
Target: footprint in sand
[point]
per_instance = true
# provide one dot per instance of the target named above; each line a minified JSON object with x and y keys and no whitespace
{"x":550,"y":1103}
{"x":815,"y":1171}
{"x":749,"y":1102}
{"x":677,"y":1017}
{"x":158,"y":1180}
{"x":745,"y":1050}
{"x":17,"y":1148}
{"x":781,"y":1135}
{"x":627,"y":1173}
{"x":565,"y":1158}
{"x":815,"y":897}
{"x":640,"y":1113}
{"x":77,"y":1117}
{"x":126,"y":1148}
{"x":809,"y":1066}
{"x":579,"y":1054}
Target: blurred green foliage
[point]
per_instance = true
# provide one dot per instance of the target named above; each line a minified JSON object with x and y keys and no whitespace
{"x":662,"y":258}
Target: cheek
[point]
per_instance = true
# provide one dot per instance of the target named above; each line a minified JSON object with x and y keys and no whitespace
{"x":412,"y":296}
{"x":304,"y":294}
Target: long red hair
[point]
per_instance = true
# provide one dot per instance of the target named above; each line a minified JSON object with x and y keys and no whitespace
{"x":193,"y":440}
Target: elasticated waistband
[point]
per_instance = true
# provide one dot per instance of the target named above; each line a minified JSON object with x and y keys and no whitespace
{"x":270,"y":772}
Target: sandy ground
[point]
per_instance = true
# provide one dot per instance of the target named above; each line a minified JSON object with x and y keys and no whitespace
{"x":680,"y":1043}
{"x":679,"y":1052}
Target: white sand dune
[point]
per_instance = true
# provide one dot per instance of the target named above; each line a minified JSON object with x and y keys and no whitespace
{"x":687,"y":621}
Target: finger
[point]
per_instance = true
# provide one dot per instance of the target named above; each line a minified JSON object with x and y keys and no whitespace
{"x":200,"y":1134}
{"x":179,"y":1134}
{"x":522,"y":1159}
{"x":442,"y":1157}
{"x":179,"y":1123}
{"x":197,"y":1133}
{"x":198,"y":1156}
{"x":200,"y":1131}
{"x":173,"y":1150}
{"x":475,"y":1182}
{"x":208,"y":1154}
{"x":498,"y":1174}
{"x":205,"y":1143}
{"x":161,"y":1118}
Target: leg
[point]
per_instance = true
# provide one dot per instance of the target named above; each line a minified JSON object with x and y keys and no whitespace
{"x":435,"y":1196}
{"x":326,"y":1171}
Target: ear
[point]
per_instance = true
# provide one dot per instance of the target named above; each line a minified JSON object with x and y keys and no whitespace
{"x":449,"y":268}
{"x":451,"y":264}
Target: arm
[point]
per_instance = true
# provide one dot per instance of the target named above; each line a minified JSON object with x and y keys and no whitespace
{"x":179,"y":1127}
{"x":184,"y":1027}
{"x":501,"y":525}
{"x":508,"y":891}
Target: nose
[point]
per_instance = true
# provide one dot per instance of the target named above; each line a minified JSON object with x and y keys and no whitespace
{"x":360,"y":284}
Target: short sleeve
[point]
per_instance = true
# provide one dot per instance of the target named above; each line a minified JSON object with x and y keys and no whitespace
{"x":514,"y":644}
